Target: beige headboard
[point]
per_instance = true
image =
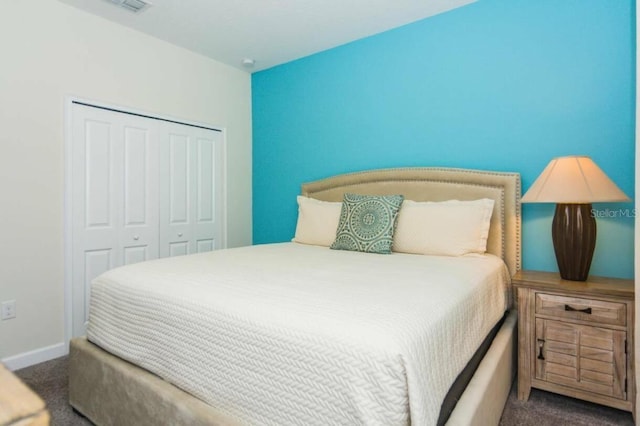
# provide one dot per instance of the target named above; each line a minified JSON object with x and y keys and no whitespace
{"x":440,"y":184}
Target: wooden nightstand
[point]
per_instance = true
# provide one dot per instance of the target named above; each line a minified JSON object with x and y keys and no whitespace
{"x":576,"y":338}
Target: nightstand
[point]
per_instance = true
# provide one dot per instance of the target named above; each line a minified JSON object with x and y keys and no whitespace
{"x":576,"y":338}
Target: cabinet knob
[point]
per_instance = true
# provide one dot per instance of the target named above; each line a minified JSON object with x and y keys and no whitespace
{"x":179,"y":234}
{"x":135,"y":237}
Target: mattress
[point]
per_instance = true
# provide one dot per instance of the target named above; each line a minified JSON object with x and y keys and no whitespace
{"x":294,"y":334}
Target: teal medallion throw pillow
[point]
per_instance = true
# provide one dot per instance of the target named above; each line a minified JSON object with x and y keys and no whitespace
{"x":367,"y":223}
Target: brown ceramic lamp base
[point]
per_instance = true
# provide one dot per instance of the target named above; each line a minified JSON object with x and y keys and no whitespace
{"x":574,"y":240}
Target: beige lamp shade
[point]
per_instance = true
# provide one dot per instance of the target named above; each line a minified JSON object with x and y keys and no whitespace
{"x":573,"y":180}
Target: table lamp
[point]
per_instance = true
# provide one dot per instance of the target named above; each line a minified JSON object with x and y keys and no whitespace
{"x":573,"y":183}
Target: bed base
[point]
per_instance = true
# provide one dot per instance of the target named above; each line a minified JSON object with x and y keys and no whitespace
{"x":482,"y":402}
{"x":111,"y":391}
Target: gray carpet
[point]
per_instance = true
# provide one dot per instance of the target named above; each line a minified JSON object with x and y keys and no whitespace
{"x":49,"y":380}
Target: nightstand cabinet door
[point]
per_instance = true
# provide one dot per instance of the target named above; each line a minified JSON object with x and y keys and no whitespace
{"x":582,"y":357}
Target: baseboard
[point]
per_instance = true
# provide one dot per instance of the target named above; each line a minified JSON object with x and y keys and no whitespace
{"x":36,"y":356}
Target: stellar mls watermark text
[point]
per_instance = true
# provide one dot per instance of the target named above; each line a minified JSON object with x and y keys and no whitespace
{"x":609,"y":213}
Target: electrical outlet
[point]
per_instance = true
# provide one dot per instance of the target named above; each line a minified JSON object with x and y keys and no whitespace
{"x":8,"y":309}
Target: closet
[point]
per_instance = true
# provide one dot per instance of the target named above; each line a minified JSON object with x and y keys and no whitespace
{"x":140,"y":188}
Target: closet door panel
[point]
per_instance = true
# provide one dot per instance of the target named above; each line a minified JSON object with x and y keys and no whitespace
{"x":114,"y":206}
{"x":95,"y":263}
{"x":135,"y":182}
{"x":139,"y":237}
{"x":97,"y":171}
{"x":179,"y":178}
{"x":205,"y":245}
{"x":179,"y":248}
{"x":97,"y":215}
{"x":175,"y":183}
{"x":204,"y":220}
{"x":135,"y":254}
{"x":95,"y":206}
{"x":189,"y":184}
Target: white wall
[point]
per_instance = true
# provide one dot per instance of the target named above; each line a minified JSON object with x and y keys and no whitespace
{"x":49,"y":50}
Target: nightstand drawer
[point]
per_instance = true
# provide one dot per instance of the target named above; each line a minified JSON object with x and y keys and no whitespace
{"x":565,"y":307}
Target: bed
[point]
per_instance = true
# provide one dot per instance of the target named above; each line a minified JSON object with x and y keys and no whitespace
{"x":348,"y":353}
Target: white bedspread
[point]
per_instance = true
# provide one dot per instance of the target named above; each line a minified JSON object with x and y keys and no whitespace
{"x":293,"y":334}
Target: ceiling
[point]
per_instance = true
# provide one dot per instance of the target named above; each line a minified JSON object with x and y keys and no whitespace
{"x":270,"y":32}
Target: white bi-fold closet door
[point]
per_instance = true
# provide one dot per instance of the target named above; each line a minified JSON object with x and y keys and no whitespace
{"x":188,"y":195}
{"x":141,"y":188}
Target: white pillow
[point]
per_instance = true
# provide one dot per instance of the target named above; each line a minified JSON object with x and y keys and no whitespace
{"x":447,"y":228}
{"x":317,"y":221}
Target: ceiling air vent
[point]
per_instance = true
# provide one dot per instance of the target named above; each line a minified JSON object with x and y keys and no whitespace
{"x":132,"y":5}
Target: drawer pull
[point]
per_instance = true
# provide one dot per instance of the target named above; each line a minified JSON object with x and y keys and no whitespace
{"x":540,"y":346}
{"x":585,"y":310}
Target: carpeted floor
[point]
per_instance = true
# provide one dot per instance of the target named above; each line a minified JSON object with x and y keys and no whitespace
{"x":49,"y":380}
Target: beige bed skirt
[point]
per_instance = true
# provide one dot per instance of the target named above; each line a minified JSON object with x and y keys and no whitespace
{"x":111,"y":391}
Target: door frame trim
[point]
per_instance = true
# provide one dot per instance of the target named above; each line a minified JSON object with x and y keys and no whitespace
{"x":69,"y":100}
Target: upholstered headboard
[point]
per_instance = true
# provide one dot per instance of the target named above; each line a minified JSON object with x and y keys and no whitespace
{"x":440,"y":184}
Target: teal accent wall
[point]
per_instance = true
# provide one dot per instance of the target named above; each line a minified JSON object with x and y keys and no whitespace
{"x":499,"y":84}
